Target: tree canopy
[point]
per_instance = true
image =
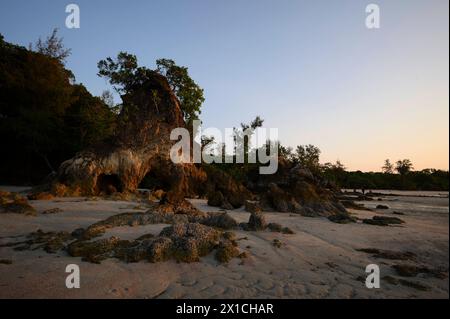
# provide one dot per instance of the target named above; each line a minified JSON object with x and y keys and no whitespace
{"x":124,"y":74}
{"x":53,"y":47}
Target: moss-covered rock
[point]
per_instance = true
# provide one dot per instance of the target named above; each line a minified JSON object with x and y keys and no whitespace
{"x":257,"y":221}
{"x":342,"y":218}
{"x":383,"y":221}
{"x":215,"y":199}
{"x":15,"y":204}
{"x":98,"y":250}
{"x":191,"y":240}
{"x":226,"y":251}
{"x":275,"y":227}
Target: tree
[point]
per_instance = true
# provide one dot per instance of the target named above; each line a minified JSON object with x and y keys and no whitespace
{"x":53,"y":47}
{"x":188,"y":92}
{"x":308,"y":156}
{"x":207,"y":144}
{"x":242,"y":136}
{"x":285,"y":152}
{"x":388,"y":167}
{"x":88,"y":120}
{"x":108,"y":99}
{"x":125,"y":75}
{"x":334,"y":172}
{"x":404,"y":166}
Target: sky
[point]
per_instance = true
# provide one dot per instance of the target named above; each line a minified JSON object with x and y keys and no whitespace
{"x":312,"y":68}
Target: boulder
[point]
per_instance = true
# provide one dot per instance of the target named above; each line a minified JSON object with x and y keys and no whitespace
{"x":191,"y":240}
{"x":15,"y":204}
{"x":220,"y":220}
{"x":257,"y":221}
{"x":278,"y":198}
{"x":232,"y":191}
{"x":215,"y":198}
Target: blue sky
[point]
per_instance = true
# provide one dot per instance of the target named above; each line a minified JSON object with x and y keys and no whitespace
{"x":310,"y":68}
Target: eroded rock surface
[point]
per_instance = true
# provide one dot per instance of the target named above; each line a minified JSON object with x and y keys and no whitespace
{"x":141,"y":146}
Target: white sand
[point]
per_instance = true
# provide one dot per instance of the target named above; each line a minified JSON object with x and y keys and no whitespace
{"x":318,"y":261}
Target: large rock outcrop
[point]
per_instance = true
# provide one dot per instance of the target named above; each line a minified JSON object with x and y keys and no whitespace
{"x":224,"y":191}
{"x":295,"y":189}
{"x":140,"y":146}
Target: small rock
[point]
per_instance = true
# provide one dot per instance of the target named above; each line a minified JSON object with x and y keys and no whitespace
{"x":389,"y":220}
{"x":405,"y":270}
{"x":41,"y":196}
{"x":343,"y":218}
{"x":383,"y":221}
{"x":277,"y":243}
{"x":375,"y":222}
{"x":389,"y":254}
{"x":257,"y":221}
{"x":220,"y":220}
{"x":243,"y":255}
{"x":226,"y":251}
{"x":215,"y":199}
{"x":275,"y":227}
{"x":226,"y":205}
{"x":52,"y":211}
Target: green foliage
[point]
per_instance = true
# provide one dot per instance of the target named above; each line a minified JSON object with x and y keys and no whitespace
{"x":44,"y":118}
{"x":125,"y":75}
{"x":388,"y":167}
{"x":403,"y":167}
{"x":88,"y":120}
{"x":285,"y":153}
{"x":434,"y":180}
{"x":188,"y":92}
{"x":428,"y":179}
{"x":53,"y":47}
{"x":333,"y":172}
{"x":308,"y":157}
{"x":243,"y":135}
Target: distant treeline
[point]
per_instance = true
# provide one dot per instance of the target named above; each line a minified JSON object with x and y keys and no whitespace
{"x":392,"y":176}
{"x":428,"y":180}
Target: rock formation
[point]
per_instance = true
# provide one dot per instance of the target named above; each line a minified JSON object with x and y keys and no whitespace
{"x":223,"y":191}
{"x":141,"y":145}
{"x":295,"y":189}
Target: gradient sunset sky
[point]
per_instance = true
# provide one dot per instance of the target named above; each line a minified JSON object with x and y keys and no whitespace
{"x":310,"y":68}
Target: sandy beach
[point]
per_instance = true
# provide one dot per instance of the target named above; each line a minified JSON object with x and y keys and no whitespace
{"x":321,"y":260}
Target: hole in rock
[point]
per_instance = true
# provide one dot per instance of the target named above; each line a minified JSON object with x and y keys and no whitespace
{"x":154,"y":181}
{"x":109,"y":184}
